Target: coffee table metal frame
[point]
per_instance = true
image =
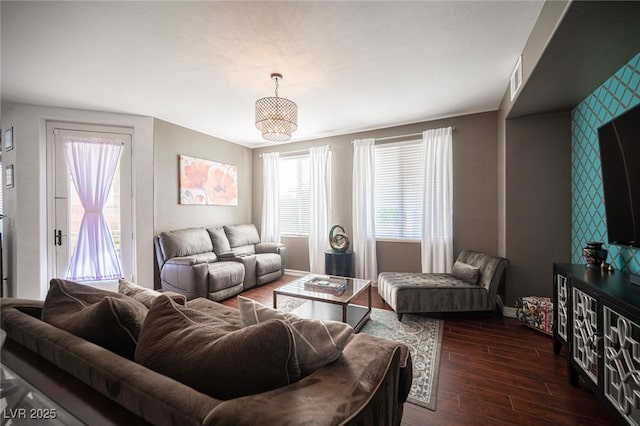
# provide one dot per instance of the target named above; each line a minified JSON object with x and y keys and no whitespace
{"x":329,"y":305}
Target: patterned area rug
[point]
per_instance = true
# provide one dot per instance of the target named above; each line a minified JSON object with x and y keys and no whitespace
{"x":422,"y":335}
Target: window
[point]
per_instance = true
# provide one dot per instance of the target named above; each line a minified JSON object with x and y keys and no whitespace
{"x":294,"y":195}
{"x":399,"y":176}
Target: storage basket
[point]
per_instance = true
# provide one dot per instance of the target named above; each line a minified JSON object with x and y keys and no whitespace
{"x":536,"y":312}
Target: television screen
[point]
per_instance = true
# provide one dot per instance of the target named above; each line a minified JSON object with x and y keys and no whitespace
{"x":620,"y":155}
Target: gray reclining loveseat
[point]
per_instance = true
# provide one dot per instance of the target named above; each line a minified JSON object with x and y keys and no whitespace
{"x":216,"y":263}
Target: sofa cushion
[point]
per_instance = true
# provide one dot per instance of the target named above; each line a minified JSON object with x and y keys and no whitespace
{"x":106,"y":318}
{"x":433,"y":292}
{"x":224,"y":275}
{"x":185,"y":242}
{"x":242,"y":235}
{"x":318,"y":343}
{"x":466,"y":272}
{"x":225,"y":318}
{"x":267,"y":263}
{"x":189,"y":346}
{"x":491,"y":267}
{"x":219,"y":240}
{"x":146,"y":296}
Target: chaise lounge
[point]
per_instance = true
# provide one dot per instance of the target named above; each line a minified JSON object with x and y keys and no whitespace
{"x":472,"y":285}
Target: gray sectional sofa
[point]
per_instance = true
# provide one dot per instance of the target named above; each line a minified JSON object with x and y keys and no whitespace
{"x":367,"y":385}
{"x":218,"y":262}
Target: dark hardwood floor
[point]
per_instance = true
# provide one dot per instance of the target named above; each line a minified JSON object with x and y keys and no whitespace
{"x":493,"y":371}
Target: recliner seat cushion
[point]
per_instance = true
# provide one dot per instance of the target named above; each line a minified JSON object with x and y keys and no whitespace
{"x":223,"y":275}
{"x":267,"y":263}
{"x":193,"y":348}
{"x":106,"y":318}
{"x":185,"y":242}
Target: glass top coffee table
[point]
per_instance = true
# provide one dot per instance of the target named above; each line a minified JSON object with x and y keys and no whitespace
{"x":326,"y":303}
{"x":22,"y":404}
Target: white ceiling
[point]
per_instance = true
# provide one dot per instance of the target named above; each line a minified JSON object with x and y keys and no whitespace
{"x":350,"y":66}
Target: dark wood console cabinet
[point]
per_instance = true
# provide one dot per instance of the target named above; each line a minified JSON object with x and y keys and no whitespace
{"x":597,"y":318}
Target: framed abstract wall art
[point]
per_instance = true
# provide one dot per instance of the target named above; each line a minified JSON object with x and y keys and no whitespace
{"x":206,"y":182}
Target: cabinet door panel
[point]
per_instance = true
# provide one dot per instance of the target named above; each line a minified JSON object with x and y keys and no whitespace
{"x":621,"y":378}
{"x":562,"y":306}
{"x":585,"y":327}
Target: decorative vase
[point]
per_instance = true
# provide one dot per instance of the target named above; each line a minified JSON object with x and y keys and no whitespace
{"x":594,"y":255}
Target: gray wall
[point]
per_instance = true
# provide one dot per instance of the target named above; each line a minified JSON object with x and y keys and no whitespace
{"x":524,"y":227}
{"x":170,"y":141}
{"x":475,"y":198}
{"x":538,"y":201}
{"x":547,"y":22}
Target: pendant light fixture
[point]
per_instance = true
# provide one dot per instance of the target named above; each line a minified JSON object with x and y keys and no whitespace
{"x":276,"y":117}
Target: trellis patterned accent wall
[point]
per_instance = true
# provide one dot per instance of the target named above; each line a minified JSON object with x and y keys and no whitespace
{"x":615,"y":96}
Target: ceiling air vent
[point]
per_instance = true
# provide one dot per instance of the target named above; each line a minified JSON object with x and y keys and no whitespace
{"x":516,"y":78}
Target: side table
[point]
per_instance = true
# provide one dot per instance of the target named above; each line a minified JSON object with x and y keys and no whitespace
{"x":338,"y":263}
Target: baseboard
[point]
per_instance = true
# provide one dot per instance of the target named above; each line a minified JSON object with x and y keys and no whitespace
{"x":507,"y":311}
{"x":510,"y":312}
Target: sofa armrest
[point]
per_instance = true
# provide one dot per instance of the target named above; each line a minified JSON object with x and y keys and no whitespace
{"x":277,"y":248}
{"x":362,"y":387}
{"x":228,"y":255}
{"x":155,"y":398}
{"x":185,"y":278}
{"x":269,"y":247}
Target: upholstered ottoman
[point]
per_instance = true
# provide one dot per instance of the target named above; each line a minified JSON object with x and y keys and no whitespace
{"x":410,"y":292}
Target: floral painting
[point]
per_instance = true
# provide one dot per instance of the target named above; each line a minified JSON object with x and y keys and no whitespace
{"x":207,"y":182}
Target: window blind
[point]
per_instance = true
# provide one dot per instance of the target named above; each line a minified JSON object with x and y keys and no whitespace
{"x":399,"y":175}
{"x":294,"y":195}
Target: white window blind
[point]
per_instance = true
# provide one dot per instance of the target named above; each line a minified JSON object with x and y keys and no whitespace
{"x":399,"y":175}
{"x":294,"y":195}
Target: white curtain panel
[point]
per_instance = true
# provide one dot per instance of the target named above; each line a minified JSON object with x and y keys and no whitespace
{"x":437,"y":202}
{"x":92,"y":163}
{"x":363,"y":208}
{"x":270,"y":224}
{"x":319,"y":206}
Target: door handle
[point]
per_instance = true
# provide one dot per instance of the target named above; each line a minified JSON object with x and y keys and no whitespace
{"x":57,"y":237}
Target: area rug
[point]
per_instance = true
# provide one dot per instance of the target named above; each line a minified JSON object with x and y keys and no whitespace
{"x":422,"y":335}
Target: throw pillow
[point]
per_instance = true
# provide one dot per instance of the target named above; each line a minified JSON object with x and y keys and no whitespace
{"x":106,"y":318}
{"x":219,"y":240}
{"x":466,"y":272}
{"x":146,"y":296}
{"x":318,"y":343}
{"x":198,"y":350}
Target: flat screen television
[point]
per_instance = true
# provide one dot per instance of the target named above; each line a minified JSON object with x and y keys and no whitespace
{"x":620,"y":154}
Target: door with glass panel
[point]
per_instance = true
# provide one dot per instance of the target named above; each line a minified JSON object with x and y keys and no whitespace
{"x":92,"y":235}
